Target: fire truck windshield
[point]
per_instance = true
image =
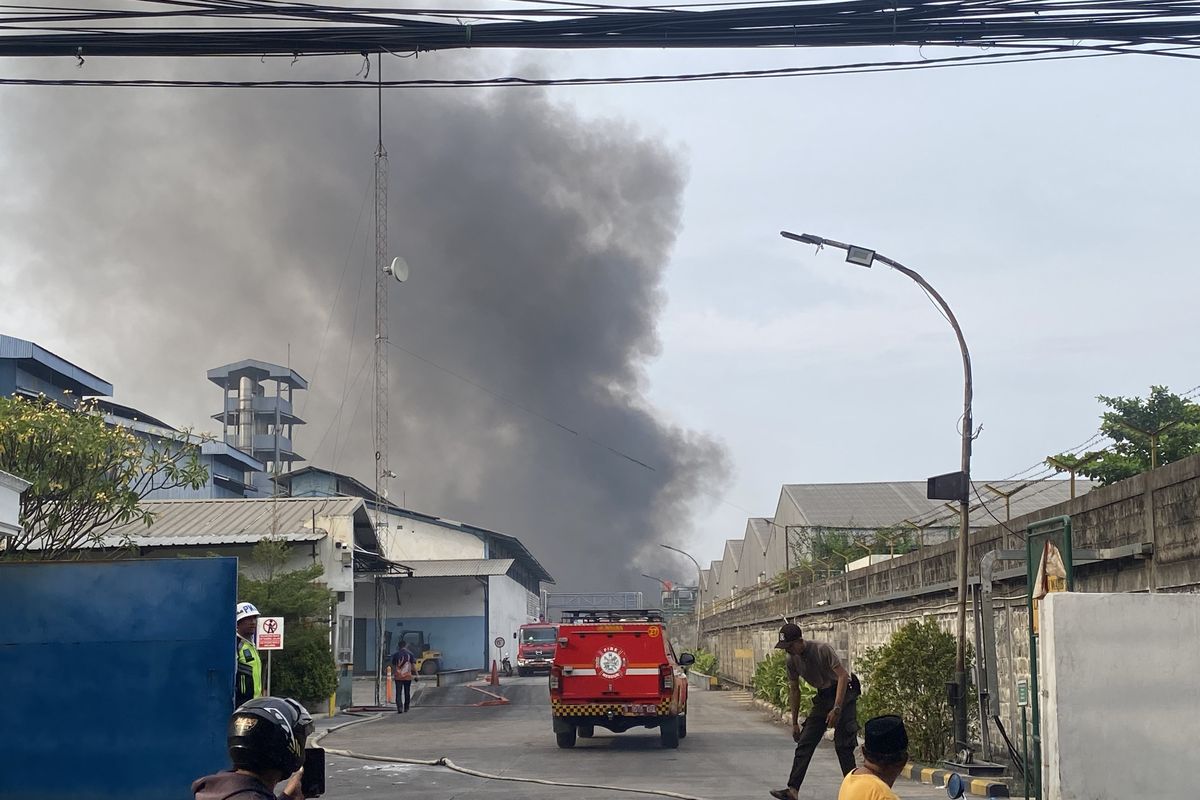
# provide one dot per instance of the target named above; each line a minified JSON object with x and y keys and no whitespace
{"x":531,"y":635}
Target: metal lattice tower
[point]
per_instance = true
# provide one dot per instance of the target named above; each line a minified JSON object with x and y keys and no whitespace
{"x":382,"y":473}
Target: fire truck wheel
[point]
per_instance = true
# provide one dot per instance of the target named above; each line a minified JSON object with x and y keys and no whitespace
{"x":668,"y":731}
{"x":587,"y":731}
{"x":683,"y":726}
{"x":566,"y":739}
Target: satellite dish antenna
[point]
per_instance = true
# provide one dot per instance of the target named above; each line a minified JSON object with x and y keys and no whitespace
{"x":398,"y":269}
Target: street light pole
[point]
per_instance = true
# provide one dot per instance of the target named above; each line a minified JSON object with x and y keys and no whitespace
{"x":864,"y":258}
{"x":698,"y":595}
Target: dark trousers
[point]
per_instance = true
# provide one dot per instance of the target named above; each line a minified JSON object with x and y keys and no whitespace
{"x":845,"y":735}
{"x":403,"y":695}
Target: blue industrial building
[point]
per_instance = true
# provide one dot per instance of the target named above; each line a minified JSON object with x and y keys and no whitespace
{"x":32,"y":371}
{"x":29,"y":370}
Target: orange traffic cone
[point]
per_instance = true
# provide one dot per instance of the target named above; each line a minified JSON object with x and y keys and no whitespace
{"x":391,"y":687}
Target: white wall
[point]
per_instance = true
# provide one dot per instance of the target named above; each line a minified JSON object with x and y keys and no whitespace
{"x":10,"y":503}
{"x":1119,"y":689}
{"x":508,"y":610}
{"x":339,"y":571}
{"x":417,"y":540}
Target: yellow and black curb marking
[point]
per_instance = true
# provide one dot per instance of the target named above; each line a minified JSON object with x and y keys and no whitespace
{"x":600,"y":709}
{"x":976,"y":787}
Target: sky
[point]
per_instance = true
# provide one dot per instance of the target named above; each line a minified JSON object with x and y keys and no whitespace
{"x":601,"y":270}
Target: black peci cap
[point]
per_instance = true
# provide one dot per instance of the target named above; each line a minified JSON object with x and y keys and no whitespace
{"x":885,"y":736}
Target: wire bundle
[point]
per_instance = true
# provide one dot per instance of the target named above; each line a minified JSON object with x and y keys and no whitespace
{"x":164,"y":28}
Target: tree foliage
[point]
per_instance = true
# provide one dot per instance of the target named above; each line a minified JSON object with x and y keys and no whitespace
{"x":1157,"y":429}
{"x":820,"y":552}
{"x":305,"y":668}
{"x":87,"y":476}
{"x":908,"y":676}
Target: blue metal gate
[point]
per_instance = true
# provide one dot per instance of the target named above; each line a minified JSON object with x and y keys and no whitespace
{"x":116,"y":676}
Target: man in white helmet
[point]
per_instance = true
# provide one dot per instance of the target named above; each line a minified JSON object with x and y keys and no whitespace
{"x":248,"y":683}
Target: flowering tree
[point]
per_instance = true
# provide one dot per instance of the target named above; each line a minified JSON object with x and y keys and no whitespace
{"x":87,"y":476}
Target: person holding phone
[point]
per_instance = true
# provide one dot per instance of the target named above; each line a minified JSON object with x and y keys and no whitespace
{"x":266,"y":740}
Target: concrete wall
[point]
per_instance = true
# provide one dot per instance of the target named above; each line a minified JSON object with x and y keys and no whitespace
{"x":862,"y":609}
{"x":1119,"y":690}
{"x":508,"y":610}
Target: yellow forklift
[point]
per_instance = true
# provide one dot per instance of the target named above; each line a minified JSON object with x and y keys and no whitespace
{"x":429,"y":661}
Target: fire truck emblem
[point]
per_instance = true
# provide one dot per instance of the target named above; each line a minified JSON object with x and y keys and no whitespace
{"x":611,"y":662}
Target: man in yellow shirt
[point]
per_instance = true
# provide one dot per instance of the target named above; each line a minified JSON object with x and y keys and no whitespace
{"x":885,"y":752}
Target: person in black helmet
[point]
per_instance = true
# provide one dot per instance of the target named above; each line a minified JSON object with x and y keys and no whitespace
{"x":266,"y":741}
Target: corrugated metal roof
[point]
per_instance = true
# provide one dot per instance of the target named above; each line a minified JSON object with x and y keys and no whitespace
{"x":185,"y":541}
{"x":880,"y":505}
{"x":460,"y":567}
{"x":236,"y":521}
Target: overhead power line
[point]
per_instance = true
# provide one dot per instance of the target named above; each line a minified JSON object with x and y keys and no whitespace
{"x":250,"y":28}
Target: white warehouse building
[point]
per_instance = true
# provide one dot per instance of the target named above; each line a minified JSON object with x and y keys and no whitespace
{"x":469,"y":585}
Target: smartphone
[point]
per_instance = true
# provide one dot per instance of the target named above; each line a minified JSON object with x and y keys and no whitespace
{"x":312,"y":783}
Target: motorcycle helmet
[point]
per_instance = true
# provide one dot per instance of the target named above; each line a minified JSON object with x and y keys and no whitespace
{"x":269,"y":733}
{"x":246,"y":610}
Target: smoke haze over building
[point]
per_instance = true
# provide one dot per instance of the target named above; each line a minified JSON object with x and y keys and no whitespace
{"x":149,"y":235}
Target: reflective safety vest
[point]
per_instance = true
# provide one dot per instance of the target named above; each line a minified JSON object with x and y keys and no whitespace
{"x":248,"y":683}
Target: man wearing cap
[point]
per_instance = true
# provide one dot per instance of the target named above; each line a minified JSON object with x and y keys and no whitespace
{"x":885,"y":752}
{"x":834,"y":705}
{"x":248,"y":683}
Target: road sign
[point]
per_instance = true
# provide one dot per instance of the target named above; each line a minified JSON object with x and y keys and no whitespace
{"x":1022,"y":693}
{"x":270,"y":633}
{"x":499,"y":641}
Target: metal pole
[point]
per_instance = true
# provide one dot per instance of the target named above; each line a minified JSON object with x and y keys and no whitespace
{"x":964,"y":527}
{"x":269,"y":673}
{"x":698,"y":571}
{"x":960,"y":673}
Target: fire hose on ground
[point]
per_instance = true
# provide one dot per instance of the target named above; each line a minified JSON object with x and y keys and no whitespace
{"x":446,"y":763}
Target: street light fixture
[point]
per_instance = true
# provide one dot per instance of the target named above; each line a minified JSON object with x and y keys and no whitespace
{"x":864,"y":257}
{"x":698,"y":594}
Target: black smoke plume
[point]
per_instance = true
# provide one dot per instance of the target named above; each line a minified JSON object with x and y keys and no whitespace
{"x":152,"y":234}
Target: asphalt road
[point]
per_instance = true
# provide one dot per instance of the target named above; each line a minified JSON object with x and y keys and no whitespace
{"x":731,"y":751}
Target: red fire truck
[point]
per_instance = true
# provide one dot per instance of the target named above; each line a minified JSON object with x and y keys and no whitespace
{"x":535,"y":647}
{"x":617,"y":670}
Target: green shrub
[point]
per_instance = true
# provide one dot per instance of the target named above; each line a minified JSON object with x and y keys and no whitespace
{"x":706,"y":662}
{"x":771,"y":682}
{"x":908,"y":676}
{"x":305,"y":669}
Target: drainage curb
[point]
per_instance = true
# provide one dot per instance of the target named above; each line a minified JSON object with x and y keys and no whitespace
{"x":976,"y":787}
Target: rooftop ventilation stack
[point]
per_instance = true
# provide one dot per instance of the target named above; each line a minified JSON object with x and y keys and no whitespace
{"x":258,"y":415}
